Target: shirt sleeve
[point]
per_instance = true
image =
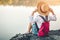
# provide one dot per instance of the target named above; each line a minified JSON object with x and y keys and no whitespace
{"x":52,"y":18}
{"x":31,"y":19}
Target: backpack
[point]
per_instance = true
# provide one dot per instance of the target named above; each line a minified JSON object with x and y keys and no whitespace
{"x":43,"y":31}
{"x":35,"y":28}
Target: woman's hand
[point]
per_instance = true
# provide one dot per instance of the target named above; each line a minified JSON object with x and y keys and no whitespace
{"x":34,"y":12}
{"x":51,"y":11}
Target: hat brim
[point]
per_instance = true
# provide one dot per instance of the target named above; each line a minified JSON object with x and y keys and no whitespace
{"x":39,"y":7}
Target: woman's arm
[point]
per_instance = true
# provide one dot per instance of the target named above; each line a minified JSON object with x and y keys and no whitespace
{"x":51,"y":11}
{"x":34,"y":12}
{"x":53,"y":17}
{"x":31,"y":19}
{"x":29,"y":27}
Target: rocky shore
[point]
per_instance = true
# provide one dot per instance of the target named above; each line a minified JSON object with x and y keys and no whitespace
{"x":53,"y":35}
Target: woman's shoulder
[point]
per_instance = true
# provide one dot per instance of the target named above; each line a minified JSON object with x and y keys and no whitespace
{"x":37,"y":16}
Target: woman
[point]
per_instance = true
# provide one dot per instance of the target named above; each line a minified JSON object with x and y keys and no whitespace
{"x":42,"y":10}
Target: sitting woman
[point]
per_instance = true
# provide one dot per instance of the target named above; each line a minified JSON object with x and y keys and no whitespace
{"x":40,"y":23}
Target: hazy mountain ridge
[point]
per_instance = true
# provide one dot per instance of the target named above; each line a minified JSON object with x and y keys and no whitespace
{"x":28,"y":2}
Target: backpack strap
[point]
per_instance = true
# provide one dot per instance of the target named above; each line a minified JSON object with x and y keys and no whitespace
{"x":44,"y":18}
{"x":36,"y":26}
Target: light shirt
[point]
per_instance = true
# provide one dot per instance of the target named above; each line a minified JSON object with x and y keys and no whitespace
{"x":36,"y":18}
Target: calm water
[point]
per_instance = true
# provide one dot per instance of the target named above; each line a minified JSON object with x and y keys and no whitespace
{"x":14,"y":20}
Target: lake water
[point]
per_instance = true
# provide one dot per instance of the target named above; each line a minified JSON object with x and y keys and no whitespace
{"x":14,"y":20}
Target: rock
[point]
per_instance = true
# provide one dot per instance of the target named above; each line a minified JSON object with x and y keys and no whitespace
{"x":53,"y":35}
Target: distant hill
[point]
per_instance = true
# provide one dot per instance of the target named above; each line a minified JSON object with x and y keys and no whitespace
{"x":28,"y":2}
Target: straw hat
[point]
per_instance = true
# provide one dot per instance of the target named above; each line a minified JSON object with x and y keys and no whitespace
{"x":43,"y":8}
